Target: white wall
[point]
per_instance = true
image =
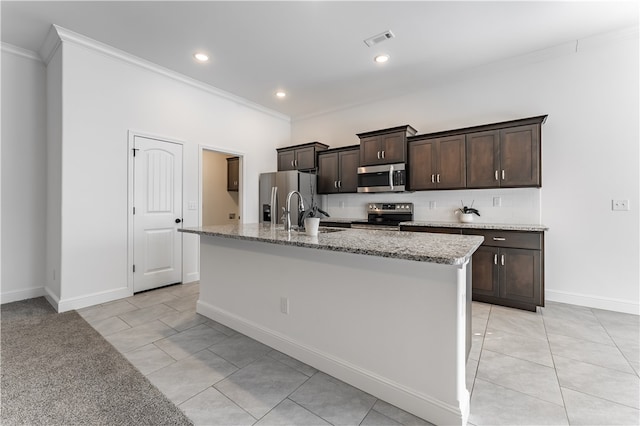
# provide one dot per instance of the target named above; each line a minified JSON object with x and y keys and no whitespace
{"x":217,"y":202}
{"x":104,"y":98}
{"x":590,"y":156}
{"x":23,"y":175}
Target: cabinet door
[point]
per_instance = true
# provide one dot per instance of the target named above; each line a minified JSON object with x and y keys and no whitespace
{"x":394,"y":148}
{"x":520,"y":275}
{"x":422,"y":164}
{"x":520,"y":156}
{"x":451,"y":164}
{"x":482,"y":159}
{"x":305,"y":158}
{"x":370,"y":151}
{"x":233,"y":174}
{"x":327,"y":173}
{"x":485,"y":272}
{"x":348,"y":170}
{"x":286,"y":160}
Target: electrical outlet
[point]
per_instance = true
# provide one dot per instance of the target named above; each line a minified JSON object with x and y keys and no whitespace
{"x":432,"y":205}
{"x":497,"y":202}
{"x":620,"y":205}
{"x":284,"y":305}
{"x":232,"y":215}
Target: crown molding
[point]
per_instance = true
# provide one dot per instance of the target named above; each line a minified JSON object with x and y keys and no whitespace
{"x":64,"y":35}
{"x":50,"y":46}
{"x":19,"y":51}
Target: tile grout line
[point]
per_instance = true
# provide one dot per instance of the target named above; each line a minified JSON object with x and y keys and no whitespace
{"x":555,"y":368}
{"x":637,"y":374}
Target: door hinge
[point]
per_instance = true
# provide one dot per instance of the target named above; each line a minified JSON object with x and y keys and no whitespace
{"x":134,"y":151}
{"x":134,"y":268}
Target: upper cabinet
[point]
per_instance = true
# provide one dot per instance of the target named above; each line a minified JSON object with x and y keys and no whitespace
{"x":233,"y":173}
{"x":506,"y":158}
{"x":437,"y":163}
{"x":299,"y":157}
{"x":338,"y":170}
{"x":385,"y":146}
{"x":499,"y":155}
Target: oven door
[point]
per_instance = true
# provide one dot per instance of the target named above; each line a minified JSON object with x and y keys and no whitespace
{"x":384,"y":178}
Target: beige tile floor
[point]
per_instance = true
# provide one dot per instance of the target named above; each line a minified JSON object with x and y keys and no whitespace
{"x":564,"y":364}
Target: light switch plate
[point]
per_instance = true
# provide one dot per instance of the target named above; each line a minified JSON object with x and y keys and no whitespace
{"x":620,"y":205}
{"x":497,"y":201}
{"x":432,"y":205}
{"x":193,"y":205}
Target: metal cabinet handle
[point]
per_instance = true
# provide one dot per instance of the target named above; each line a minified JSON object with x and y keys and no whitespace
{"x":433,"y":178}
{"x":339,"y":184}
{"x":496,"y":175}
{"x":495,"y":259}
{"x":499,"y":239}
{"x":438,"y":178}
{"x":296,"y":162}
{"x":378,"y":155}
{"x":335,"y":183}
{"x":502,"y":260}
{"x":382,"y":154}
{"x":291,"y":163}
{"x":502,"y":174}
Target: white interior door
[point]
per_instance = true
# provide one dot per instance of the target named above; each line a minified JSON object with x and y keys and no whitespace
{"x":157,"y":250}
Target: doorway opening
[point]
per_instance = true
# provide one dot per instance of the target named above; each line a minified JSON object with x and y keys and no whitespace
{"x":221,"y":184}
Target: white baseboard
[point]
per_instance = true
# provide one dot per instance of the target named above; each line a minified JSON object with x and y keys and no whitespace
{"x":72,"y":303}
{"x":609,"y":304}
{"x":424,"y":406}
{"x":192,"y":277}
{"x":16,"y":295}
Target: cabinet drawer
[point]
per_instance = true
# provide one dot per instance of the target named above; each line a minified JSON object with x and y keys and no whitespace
{"x":513,"y":239}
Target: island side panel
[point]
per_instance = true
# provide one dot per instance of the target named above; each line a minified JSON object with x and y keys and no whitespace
{"x":394,"y":328}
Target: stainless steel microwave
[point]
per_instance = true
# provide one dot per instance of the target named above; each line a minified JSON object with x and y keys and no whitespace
{"x":383,"y":178}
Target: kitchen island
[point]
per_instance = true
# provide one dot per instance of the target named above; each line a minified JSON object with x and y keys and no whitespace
{"x":385,"y":311}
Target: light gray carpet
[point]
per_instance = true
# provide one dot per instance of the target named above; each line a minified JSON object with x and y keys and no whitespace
{"x":57,"y":370}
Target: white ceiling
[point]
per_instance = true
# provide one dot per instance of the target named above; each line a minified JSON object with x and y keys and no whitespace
{"x":314,"y":50}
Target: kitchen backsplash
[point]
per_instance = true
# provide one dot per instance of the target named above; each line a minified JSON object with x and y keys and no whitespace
{"x":517,"y":205}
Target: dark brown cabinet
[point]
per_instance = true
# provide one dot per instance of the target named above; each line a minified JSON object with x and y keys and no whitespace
{"x":299,"y":157}
{"x":437,"y":163}
{"x":508,"y":157}
{"x":507,"y":269}
{"x":338,"y":170}
{"x":385,"y":146}
{"x":233,"y":173}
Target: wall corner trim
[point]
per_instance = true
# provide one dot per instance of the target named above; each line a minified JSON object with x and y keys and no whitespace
{"x":51,"y":44}
{"x":67,"y":36}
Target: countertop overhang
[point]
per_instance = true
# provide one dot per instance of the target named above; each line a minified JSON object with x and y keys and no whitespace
{"x":422,"y":247}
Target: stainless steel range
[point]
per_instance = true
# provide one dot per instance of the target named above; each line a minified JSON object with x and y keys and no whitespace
{"x":386,"y":216}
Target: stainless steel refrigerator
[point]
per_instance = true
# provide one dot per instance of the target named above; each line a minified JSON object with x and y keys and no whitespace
{"x":274,"y":188}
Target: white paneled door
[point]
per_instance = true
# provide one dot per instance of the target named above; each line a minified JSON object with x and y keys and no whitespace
{"x":157,"y":246}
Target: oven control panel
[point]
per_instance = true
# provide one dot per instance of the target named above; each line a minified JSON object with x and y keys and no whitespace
{"x":390,"y":208}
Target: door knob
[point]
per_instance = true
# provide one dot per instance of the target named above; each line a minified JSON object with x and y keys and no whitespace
{"x":178,"y":220}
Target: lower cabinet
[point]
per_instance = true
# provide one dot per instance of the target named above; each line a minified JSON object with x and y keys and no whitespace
{"x":507,"y":269}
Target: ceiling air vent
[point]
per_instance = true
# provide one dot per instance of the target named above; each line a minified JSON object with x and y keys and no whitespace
{"x":378,"y":38}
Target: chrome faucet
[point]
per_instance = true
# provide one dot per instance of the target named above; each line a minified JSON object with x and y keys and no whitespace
{"x":287,"y":211}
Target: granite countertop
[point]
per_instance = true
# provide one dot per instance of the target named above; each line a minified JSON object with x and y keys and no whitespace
{"x":339,"y":219}
{"x":422,"y":247}
{"x":474,"y":225}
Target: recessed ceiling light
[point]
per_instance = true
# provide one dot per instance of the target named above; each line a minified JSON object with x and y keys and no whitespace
{"x":281,"y":94}
{"x":201,"y":57}
{"x":381,"y":59}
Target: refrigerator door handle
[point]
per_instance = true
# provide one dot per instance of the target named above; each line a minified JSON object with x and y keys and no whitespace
{"x":274,"y":197}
